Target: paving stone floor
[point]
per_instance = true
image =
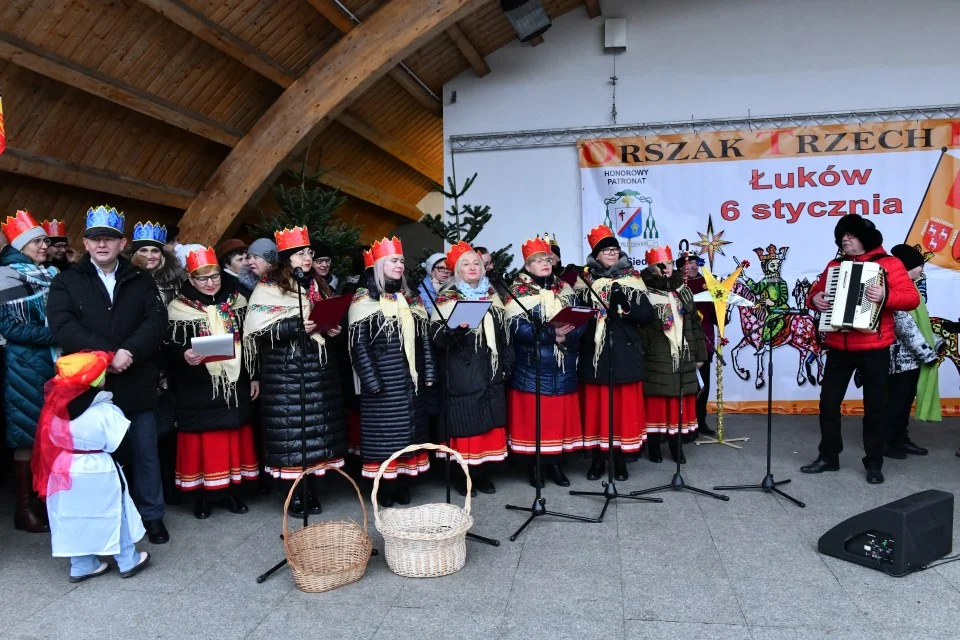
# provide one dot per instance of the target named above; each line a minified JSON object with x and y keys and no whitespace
{"x":690,"y":568}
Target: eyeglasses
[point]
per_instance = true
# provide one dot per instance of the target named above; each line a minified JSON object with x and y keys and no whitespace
{"x":323,"y":260}
{"x":41,"y":241}
{"x":443,"y":269}
{"x":542,"y":261}
{"x":213,"y":277}
{"x":611,"y":251}
{"x":304,"y":253}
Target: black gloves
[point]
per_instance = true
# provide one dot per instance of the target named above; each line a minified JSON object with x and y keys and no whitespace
{"x":951,"y":326}
{"x":618,"y":300}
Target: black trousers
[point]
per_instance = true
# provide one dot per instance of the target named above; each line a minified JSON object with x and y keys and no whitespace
{"x":901,"y":390}
{"x":704,"y":394}
{"x":873,"y":365}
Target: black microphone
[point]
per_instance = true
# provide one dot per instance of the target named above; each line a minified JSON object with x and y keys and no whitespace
{"x":300,"y":276}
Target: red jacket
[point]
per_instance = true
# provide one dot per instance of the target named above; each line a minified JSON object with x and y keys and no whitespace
{"x":901,"y":295}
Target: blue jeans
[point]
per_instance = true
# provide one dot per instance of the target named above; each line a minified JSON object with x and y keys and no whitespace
{"x":126,"y":559}
{"x":146,"y":487}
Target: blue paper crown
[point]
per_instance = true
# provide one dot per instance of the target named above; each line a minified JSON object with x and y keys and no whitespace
{"x":105,"y":217}
{"x":150,"y":231}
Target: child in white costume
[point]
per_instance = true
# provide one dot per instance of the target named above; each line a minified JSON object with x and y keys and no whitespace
{"x":90,"y":510}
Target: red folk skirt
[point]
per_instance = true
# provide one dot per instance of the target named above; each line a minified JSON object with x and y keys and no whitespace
{"x":476,"y":450}
{"x":215,"y":459}
{"x":353,"y":432}
{"x":560,"y":426}
{"x":662,"y":414}
{"x":629,"y":414}
{"x":412,"y":465}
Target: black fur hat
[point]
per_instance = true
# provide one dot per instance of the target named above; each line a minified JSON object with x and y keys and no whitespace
{"x":860,"y":228}
{"x":909,"y":256}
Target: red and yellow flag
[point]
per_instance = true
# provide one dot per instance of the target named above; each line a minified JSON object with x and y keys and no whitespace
{"x":937,"y":225}
{"x":3,"y":135}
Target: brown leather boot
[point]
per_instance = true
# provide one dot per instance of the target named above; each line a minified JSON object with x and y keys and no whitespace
{"x":26,"y":518}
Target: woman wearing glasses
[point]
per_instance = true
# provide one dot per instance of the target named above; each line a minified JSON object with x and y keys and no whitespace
{"x":28,"y":357}
{"x":544,"y":295}
{"x":272,"y":333}
{"x":215,"y":447}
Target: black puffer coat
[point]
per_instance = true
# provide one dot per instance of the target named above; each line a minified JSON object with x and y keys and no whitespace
{"x":661,"y":379}
{"x":197,"y":409}
{"x":393,"y":414}
{"x":628,"y":360}
{"x":476,"y":400}
{"x":279,"y":375}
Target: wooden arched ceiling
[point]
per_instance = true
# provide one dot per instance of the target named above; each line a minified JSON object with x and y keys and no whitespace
{"x":139,"y":102}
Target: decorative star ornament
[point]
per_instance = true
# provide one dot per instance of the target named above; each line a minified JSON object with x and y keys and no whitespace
{"x":711,"y":243}
{"x":721,"y":294}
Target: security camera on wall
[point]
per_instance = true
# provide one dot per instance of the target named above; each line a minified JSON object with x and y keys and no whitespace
{"x":615,"y":35}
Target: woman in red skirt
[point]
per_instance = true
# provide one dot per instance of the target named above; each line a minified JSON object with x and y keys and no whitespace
{"x":544,"y":295}
{"x":215,"y":449}
{"x":479,"y":361}
{"x":675,"y":348}
{"x":610,"y":274}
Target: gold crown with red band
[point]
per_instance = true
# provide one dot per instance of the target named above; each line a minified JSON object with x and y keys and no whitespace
{"x":658,"y":255}
{"x":292,"y":238}
{"x":199,"y":258}
{"x":19,"y":224}
{"x":367,"y":259}
{"x":386,"y":247}
{"x":456,"y":252}
{"x":598,"y":233}
{"x":54,"y":228}
{"x":535,"y":246}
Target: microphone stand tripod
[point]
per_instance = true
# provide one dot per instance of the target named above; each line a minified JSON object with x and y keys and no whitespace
{"x":302,"y":345}
{"x":678,"y":483}
{"x":539,"y":506}
{"x":445,"y":414}
{"x":768,"y":484}
{"x":609,"y":492}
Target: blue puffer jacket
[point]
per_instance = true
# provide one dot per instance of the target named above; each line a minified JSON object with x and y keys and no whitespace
{"x":555,"y":380}
{"x":28,"y":358}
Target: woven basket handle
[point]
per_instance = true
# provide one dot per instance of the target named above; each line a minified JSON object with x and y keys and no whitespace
{"x":410,"y":449}
{"x":290,"y":494}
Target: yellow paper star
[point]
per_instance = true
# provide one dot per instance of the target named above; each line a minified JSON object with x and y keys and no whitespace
{"x":720,"y":292}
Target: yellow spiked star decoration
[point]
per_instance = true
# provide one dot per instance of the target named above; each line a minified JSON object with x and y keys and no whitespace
{"x":720,"y":293}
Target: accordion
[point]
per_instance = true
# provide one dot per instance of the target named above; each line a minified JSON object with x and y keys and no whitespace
{"x":849,"y":307}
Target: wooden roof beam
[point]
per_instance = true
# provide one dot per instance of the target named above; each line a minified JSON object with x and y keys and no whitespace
{"x":593,"y":8}
{"x":24,"y":163}
{"x":29,"y":56}
{"x":360,"y":190}
{"x":338,"y":19}
{"x":480,"y":66}
{"x":345,"y":71}
{"x":390,"y":145}
{"x":226,"y":42}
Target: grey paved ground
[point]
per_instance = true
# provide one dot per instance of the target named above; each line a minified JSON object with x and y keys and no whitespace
{"x":691,"y":568}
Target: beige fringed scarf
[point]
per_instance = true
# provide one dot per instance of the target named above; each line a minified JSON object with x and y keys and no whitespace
{"x":447,"y":299}
{"x":667,"y":306}
{"x":401,"y":313}
{"x":211,"y":320}
{"x":632,"y":286}
{"x":268,"y":305}
{"x":547,"y":302}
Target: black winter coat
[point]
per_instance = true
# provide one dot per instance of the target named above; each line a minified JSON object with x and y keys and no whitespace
{"x":476,"y":399}
{"x":661,"y":378}
{"x":197,"y":409}
{"x":280,"y":368}
{"x":623,"y":329}
{"x":82,"y":317}
{"x":554,"y":380}
{"x":393,"y":414}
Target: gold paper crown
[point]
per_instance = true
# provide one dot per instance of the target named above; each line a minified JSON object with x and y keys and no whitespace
{"x":551,"y":240}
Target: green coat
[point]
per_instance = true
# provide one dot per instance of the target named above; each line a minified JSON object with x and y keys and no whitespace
{"x":661,"y":377}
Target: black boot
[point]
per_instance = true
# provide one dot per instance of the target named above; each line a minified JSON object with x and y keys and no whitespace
{"x":233,"y":503}
{"x":913,"y":448}
{"x":296,"y":503}
{"x":676,"y":450}
{"x":401,"y":492}
{"x":653,"y":448}
{"x":313,"y":503}
{"x":460,"y":484}
{"x":620,"y":473}
{"x":557,"y":475}
{"x":533,"y":476}
{"x":483,"y":483}
{"x":28,"y":516}
{"x":201,"y":507}
{"x":598,"y":466}
{"x":385,"y":494}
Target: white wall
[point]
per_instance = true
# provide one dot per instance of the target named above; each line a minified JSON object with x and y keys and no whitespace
{"x":687,"y":58}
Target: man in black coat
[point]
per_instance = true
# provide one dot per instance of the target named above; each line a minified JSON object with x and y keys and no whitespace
{"x":105,"y":303}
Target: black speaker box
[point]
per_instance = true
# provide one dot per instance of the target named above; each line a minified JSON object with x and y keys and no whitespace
{"x":897,"y":538}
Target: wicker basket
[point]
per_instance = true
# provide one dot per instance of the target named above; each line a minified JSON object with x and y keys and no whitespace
{"x":326,"y":555}
{"x":426,"y":541}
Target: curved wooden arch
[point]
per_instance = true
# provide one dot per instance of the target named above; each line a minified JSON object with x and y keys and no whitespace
{"x":350,"y":67}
